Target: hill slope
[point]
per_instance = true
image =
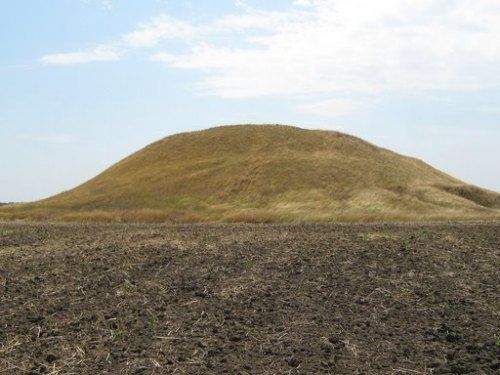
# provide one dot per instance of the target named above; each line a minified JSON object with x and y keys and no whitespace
{"x":266,"y":173}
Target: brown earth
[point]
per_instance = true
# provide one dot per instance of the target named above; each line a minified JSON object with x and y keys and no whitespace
{"x":242,"y":299}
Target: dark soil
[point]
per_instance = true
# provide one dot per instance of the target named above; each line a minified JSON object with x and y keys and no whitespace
{"x":124,"y":299}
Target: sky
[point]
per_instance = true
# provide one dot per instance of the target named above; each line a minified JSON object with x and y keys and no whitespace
{"x":84,"y":83}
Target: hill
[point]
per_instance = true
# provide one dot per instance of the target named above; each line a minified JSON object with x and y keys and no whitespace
{"x":265,"y":173}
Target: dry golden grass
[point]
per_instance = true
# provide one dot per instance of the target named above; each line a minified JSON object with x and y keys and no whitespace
{"x":270,"y":173}
{"x":252,"y":216}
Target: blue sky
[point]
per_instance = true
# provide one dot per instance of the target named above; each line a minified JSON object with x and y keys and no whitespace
{"x":86,"y":82}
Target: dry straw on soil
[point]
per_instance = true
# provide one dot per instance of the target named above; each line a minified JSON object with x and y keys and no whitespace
{"x":249,"y":299}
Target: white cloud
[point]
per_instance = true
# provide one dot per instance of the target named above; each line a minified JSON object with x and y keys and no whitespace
{"x":332,"y":107}
{"x":100,"y":53}
{"x":328,"y":48}
{"x":302,"y":3}
{"x":55,"y":138}
{"x":105,"y":4}
{"x":489,"y":109}
{"x":162,"y":27}
{"x":347,"y":46}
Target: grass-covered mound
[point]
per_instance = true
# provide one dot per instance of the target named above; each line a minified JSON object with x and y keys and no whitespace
{"x":265,"y":173}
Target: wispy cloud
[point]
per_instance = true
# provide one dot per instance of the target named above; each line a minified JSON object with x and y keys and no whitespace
{"x":332,"y":107}
{"x":56,"y":139}
{"x":105,"y":4}
{"x":99,"y":53}
{"x":160,"y":28}
{"x":354,"y":46}
{"x":50,"y":138}
{"x":327,"y":48}
{"x":489,"y":109}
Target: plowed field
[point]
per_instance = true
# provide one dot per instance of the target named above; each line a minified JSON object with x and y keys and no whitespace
{"x":242,"y":299}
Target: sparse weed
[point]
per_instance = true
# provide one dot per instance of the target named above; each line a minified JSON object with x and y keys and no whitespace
{"x":406,"y":245}
{"x":127,"y":284}
{"x":337,"y":255}
{"x":153,"y":323}
{"x":447,"y":304}
{"x":117,"y":334}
